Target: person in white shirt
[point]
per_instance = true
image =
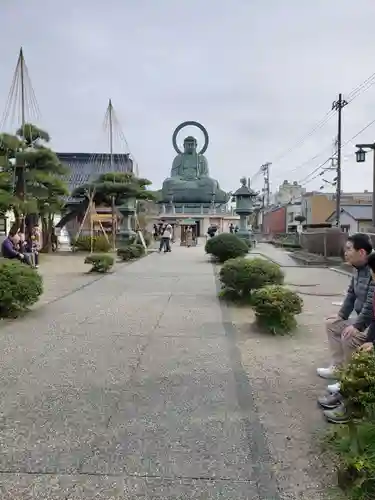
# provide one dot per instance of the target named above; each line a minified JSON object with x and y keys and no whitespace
{"x":165,"y":241}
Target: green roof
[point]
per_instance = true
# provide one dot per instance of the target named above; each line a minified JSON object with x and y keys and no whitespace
{"x":188,"y":222}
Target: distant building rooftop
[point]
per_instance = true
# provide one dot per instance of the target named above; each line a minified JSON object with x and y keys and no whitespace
{"x":357,"y":212}
{"x":86,"y":167}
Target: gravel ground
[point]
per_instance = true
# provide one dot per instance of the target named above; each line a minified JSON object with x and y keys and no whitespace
{"x":282,"y":371}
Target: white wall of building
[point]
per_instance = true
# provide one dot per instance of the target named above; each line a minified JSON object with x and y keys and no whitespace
{"x":347,"y":220}
{"x":288,"y":192}
{"x":291,"y":213}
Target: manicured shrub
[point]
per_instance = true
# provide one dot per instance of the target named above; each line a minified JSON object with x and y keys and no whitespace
{"x":275,"y":308}
{"x":101,"y":263}
{"x":20,"y":287}
{"x":357,"y":382}
{"x":100,"y":244}
{"x":354,"y":443}
{"x":226,"y":246}
{"x":242,"y":275}
{"x":130,"y":252}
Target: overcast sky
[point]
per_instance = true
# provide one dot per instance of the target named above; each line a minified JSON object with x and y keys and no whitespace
{"x":258,"y":74}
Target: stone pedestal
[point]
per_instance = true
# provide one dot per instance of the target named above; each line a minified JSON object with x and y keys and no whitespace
{"x":126,"y":234}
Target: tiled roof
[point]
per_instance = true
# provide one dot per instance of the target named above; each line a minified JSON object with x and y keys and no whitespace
{"x":86,"y":167}
{"x":357,"y":212}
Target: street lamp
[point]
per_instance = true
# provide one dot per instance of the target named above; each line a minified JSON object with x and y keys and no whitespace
{"x":361,"y":157}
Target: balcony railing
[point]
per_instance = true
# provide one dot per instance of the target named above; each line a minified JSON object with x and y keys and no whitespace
{"x":196,"y":209}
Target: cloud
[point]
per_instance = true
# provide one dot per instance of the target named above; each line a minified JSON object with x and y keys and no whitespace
{"x":259,"y":75}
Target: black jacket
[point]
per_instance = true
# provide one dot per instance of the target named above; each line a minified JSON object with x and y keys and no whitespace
{"x":371,"y":328}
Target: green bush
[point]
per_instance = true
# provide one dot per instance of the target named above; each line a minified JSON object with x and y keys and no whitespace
{"x":226,"y":246}
{"x":20,"y":287}
{"x":101,"y":263}
{"x":354,"y":443}
{"x":355,"y":471}
{"x":275,"y":308}
{"x":357,"y":382}
{"x":131,"y":252}
{"x":100,"y":244}
{"x":242,"y":275}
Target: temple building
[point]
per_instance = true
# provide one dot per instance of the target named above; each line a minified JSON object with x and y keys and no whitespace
{"x":85,"y":168}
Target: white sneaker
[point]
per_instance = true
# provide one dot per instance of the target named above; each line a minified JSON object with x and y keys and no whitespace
{"x":334,"y":388}
{"x":328,"y":373}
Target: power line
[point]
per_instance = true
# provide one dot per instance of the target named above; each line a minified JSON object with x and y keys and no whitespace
{"x":353,"y":94}
{"x":307,"y":179}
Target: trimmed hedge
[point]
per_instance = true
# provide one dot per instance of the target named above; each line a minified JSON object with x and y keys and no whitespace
{"x":130,"y":252}
{"x":226,"y":246}
{"x":20,"y":287}
{"x":101,"y":263}
{"x":275,"y":308}
{"x":241,"y":276}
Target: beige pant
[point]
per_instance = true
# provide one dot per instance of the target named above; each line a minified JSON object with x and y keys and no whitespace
{"x":342,"y":349}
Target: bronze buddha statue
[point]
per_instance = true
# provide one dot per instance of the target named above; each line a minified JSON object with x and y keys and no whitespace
{"x":189,"y":181}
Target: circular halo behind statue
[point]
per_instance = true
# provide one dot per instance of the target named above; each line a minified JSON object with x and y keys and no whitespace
{"x":193,"y":124}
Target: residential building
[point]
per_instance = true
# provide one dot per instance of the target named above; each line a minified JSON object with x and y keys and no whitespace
{"x":274,"y":220}
{"x":292,"y":211}
{"x":353,"y":218}
{"x":356,"y":198}
{"x":317,"y":207}
{"x":287,"y":193}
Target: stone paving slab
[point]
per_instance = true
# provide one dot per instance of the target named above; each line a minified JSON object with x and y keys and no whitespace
{"x":53,"y":430}
{"x":70,"y":487}
{"x":132,"y":376}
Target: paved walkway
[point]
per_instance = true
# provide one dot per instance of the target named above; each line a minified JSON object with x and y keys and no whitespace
{"x":131,"y":387}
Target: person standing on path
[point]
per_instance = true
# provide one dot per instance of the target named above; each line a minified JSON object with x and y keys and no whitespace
{"x":345,"y":334}
{"x":166,"y":237}
{"x":189,"y":236}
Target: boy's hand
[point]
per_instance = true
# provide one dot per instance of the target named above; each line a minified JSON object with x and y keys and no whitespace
{"x":349,"y":331}
{"x":366,"y":347}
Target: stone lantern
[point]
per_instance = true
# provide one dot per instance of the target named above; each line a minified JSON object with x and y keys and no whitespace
{"x":244,"y":197}
{"x":126,"y":233}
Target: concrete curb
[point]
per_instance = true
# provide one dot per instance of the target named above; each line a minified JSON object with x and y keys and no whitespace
{"x":340,"y":271}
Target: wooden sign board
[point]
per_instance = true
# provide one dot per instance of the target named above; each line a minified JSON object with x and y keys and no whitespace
{"x":140,"y":235}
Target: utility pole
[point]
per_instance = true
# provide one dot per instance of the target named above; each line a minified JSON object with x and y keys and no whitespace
{"x":338,"y":106}
{"x":265,"y":168}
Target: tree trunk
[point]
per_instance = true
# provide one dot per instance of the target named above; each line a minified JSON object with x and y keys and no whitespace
{"x":17,"y":221}
{"x":47,"y":228}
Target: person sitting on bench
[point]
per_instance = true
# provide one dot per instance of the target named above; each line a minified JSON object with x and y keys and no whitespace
{"x":10,"y":249}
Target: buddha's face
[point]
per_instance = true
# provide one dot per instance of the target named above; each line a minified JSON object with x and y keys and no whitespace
{"x":190,"y":145}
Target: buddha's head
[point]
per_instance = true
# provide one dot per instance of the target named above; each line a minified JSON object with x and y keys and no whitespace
{"x":190,"y":144}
